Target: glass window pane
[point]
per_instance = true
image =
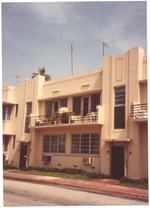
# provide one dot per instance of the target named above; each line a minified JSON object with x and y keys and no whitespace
{"x":75,"y":143}
{"x":94,"y":143}
{"x":63,"y":102}
{"x":62,"y":143}
{"x":54,"y":143}
{"x":95,"y":101}
{"x":48,"y":108}
{"x":119,"y":117}
{"x":85,"y":143}
{"x":77,"y":105}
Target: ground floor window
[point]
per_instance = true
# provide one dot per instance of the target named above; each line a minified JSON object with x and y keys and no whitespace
{"x":5,"y":143}
{"x":54,"y":143}
{"x":85,"y":144}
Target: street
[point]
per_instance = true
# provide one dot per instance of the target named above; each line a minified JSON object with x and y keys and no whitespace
{"x":19,"y":193}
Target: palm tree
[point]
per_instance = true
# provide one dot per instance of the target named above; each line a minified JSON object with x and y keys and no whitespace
{"x":42,"y":72}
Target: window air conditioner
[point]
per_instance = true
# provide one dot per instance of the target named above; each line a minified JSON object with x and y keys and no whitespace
{"x":46,"y":158}
{"x":87,"y":161}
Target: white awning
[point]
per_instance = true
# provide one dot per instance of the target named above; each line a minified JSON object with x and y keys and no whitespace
{"x":117,"y":140}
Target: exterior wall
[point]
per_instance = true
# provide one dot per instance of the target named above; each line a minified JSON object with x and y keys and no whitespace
{"x":129,"y":70}
{"x":65,"y":160}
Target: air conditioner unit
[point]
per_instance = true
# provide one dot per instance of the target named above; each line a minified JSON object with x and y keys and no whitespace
{"x":46,"y":158}
{"x":87,"y":161}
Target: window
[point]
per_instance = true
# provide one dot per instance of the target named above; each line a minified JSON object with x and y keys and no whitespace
{"x":7,"y":112}
{"x":54,"y":143}
{"x":76,"y":105}
{"x":14,"y":141}
{"x":5,"y":143}
{"x":95,"y":100}
{"x":28,"y":112}
{"x":85,"y":144}
{"x":63,"y":102}
{"x":16,"y":114}
{"x":48,"y":108}
{"x":119,"y":108}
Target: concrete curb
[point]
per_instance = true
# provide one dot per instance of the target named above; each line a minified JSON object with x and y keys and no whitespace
{"x":90,"y":186}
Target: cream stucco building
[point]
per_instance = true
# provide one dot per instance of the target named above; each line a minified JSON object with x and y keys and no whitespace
{"x":96,"y":120}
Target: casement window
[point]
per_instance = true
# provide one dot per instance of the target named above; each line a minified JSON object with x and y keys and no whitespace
{"x":28,"y":112}
{"x":95,"y":100}
{"x":48,"y":108}
{"x":77,"y":105}
{"x":86,"y":103}
{"x":64,"y":102}
{"x":53,"y":106}
{"x":54,"y":144}
{"x":5,"y":143}
{"x":85,"y":144}
{"x":7,"y":112}
{"x":119,"y":108}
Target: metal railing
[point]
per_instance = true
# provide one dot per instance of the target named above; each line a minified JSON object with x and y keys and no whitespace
{"x":63,"y":118}
{"x":139,"y":111}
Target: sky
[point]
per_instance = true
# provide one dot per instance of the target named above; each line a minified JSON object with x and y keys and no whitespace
{"x":36,"y":35}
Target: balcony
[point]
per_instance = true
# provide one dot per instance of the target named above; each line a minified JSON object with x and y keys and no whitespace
{"x":67,"y":118}
{"x":139,"y":112}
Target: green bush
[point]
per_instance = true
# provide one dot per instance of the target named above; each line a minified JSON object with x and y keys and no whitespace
{"x":6,"y":165}
{"x":133,"y":181}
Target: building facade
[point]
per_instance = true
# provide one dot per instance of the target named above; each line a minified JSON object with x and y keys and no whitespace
{"x":96,"y":120}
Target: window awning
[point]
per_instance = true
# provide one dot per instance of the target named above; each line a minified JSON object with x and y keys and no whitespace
{"x":117,"y":140}
{"x":23,"y":141}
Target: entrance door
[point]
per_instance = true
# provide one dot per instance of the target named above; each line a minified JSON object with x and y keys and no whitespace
{"x":117,"y":162}
{"x":85,"y":106}
{"x":23,"y":156}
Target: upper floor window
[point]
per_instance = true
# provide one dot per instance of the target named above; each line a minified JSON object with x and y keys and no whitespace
{"x":28,"y":112}
{"x":119,"y":108}
{"x":86,"y":103}
{"x":85,"y":144}
{"x":53,"y":106}
{"x":7,"y":112}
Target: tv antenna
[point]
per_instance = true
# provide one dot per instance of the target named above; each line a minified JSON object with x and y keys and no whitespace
{"x":17,"y":77}
{"x":104,"y":45}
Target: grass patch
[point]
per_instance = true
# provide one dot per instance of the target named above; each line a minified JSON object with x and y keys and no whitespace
{"x":57,"y":174}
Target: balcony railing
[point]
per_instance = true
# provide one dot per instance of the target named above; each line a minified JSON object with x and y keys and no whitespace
{"x":139,"y":111}
{"x":67,"y":118}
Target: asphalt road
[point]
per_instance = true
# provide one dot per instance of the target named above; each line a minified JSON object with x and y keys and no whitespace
{"x":20,"y":193}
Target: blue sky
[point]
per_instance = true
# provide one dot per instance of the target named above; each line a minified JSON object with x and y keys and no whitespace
{"x":40,"y":34}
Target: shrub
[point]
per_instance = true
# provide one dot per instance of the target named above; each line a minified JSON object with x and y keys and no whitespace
{"x":134,"y":181}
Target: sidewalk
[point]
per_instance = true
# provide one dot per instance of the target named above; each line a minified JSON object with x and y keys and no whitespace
{"x":103,"y":186}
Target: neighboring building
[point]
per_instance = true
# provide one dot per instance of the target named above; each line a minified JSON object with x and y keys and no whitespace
{"x":108,"y":132}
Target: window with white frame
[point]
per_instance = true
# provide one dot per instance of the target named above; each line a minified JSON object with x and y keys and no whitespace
{"x":85,"y":144}
{"x":54,"y":143}
{"x":119,"y":108}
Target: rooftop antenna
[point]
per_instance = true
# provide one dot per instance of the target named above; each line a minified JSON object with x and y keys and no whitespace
{"x":104,"y":44}
{"x":71,"y":59}
{"x":17,"y":77}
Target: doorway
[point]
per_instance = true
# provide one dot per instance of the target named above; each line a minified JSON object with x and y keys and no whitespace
{"x":85,"y":106}
{"x":117,"y":162}
{"x":23,"y":156}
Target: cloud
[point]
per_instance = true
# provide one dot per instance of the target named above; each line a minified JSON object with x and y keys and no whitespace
{"x":49,"y":12}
